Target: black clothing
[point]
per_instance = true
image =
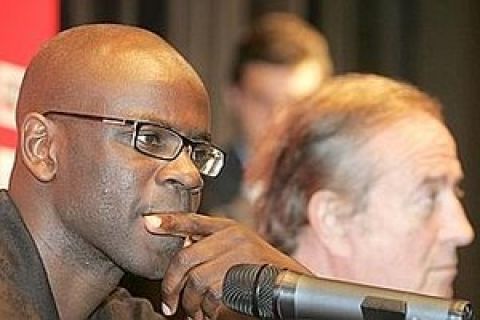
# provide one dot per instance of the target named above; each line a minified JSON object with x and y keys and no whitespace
{"x":24,"y":289}
{"x":122,"y":306}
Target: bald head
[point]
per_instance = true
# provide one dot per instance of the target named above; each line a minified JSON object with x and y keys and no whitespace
{"x":106,"y":70}
{"x":93,"y":68}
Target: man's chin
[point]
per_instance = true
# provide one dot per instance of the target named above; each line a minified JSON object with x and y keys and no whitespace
{"x":155,"y":262}
{"x":440,"y":283}
{"x":152,"y":271}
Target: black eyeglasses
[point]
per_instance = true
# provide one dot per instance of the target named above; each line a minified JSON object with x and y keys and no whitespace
{"x":161,"y":142}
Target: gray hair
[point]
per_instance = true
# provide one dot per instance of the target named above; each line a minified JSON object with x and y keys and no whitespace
{"x":316,"y":144}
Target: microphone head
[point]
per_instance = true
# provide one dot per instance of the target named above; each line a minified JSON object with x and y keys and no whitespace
{"x":248,"y":289}
{"x":461,"y":309}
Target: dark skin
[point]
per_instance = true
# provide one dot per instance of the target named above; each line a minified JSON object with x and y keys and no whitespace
{"x":85,"y":193}
{"x":200,"y":267}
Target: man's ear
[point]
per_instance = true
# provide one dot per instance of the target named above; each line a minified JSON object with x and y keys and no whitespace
{"x":329,"y":216}
{"x":37,"y":147}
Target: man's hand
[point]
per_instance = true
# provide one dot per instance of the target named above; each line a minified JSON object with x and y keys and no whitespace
{"x":195,"y":275}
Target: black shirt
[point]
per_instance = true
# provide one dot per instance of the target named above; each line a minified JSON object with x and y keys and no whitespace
{"x":24,"y":289}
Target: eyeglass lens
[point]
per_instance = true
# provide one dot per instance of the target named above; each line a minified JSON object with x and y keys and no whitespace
{"x":166,"y":144}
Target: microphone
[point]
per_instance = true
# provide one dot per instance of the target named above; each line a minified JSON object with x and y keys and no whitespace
{"x":267,"y":292}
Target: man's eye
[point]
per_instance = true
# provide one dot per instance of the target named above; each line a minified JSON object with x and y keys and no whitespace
{"x":426,"y":202}
{"x":431,"y":197}
{"x":148,"y":138}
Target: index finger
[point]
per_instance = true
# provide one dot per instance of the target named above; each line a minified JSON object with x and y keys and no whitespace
{"x":188,"y":224}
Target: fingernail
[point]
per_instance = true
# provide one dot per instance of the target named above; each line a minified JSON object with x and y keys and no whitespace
{"x":187,"y":242}
{"x":153,"y":221}
{"x":166,"y":310}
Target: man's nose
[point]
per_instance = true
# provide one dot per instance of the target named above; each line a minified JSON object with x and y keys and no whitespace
{"x":457,"y":227}
{"x":182,"y":172}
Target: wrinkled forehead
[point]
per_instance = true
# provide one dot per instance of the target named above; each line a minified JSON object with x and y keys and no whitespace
{"x":419,"y":144}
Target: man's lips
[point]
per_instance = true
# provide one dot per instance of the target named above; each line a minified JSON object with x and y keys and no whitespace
{"x":170,"y":201}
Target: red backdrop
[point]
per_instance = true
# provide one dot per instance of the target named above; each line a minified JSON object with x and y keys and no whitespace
{"x":24,"y":26}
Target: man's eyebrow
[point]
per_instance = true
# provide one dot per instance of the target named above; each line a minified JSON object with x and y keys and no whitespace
{"x":440,"y":179}
{"x":433,"y":180}
{"x":194,"y":135}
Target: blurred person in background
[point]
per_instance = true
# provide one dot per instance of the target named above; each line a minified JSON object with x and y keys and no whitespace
{"x":280,"y":59}
{"x":361,"y":182}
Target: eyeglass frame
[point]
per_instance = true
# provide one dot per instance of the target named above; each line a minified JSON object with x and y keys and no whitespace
{"x":136,"y":124}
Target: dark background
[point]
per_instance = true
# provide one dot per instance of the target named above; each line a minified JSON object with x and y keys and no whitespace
{"x":430,"y":43}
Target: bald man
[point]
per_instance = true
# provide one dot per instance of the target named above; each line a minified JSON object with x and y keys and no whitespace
{"x":114,"y":137}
